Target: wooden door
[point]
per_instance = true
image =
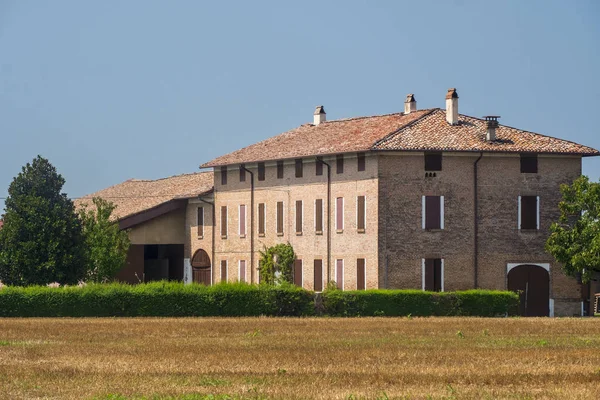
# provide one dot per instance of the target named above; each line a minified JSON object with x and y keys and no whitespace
{"x":532,"y":282}
{"x":201,"y":267}
{"x":201,"y":275}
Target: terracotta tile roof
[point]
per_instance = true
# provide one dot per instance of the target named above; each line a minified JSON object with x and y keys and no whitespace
{"x":420,"y":130}
{"x":434,"y":133}
{"x":136,"y":195}
{"x":330,"y":137}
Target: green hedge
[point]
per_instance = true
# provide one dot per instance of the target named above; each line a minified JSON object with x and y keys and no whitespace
{"x":157,"y":299}
{"x":483,"y":303}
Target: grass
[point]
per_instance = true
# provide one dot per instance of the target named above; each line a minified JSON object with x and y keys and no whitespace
{"x":300,"y":358}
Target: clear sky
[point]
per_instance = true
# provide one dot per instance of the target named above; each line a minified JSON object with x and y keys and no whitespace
{"x":112,"y":90}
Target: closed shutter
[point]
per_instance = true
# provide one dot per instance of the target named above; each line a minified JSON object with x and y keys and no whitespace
{"x":360,"y":213}
{"x":429,"y":275}
{"x":339,"y":274}
{"x":361,"y":161}
{"x":280,"y":217}
{"x":261,"y":218}
{"x":261,"y":171}
{"x":339,"y":162}
{"x":299,"y":216}
{"x":279,"y":169}
{"x":360,"y":274}
{"x":224,"y":221}
{"x":223,"y":270}
{"x":319,"y":168}
{"x":437,"y":274}
{"x":318,"y":278}
{"x":242,"y":220}
{"x":242,"y":277}
{"x":528,"y":212}
{"x":242,"y":173}
{"x":298,"y":273}
{"x":319,"y":215}
{"x":224,"y":175}
{"x":432,"y":212}
{"x":298,"y":168}
{"x":200,"y":221}
{"x":339,"y":213}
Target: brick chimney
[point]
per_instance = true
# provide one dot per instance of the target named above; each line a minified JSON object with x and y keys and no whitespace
{"x":452,"y":106}
{"x":410,"y":104}
{"x":319,"y":115}
{"x":491,"y":123}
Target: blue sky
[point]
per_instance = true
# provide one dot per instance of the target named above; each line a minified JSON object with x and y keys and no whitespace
{"x":112,"y":90}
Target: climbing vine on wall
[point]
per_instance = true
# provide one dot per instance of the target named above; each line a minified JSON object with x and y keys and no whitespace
{"x":276,"y":264}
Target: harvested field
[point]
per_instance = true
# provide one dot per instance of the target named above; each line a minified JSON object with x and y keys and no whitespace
{"x":311,"y":358}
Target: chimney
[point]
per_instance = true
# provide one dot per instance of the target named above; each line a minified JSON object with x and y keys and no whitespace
{"x":320,"y":115}
{"x":410,"y":104}
{"x":452,"y":106}
{"x":491,"y":123}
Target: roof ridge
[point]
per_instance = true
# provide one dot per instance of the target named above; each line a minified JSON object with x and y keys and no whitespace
{"x":429,"y":112}
{"x":168,"y":177}
{"x":373,"y":116}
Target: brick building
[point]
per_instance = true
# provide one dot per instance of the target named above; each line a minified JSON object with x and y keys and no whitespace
{"x":429,"y":199}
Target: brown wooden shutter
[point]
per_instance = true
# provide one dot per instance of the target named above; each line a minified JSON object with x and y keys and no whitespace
{"x":242,"y":277}
{"x":339,"y":274}
{"x":319,"y":215}
{"x":280,"y":217}
{"x":361,"y":161}
{"x":280,"y":169}
{"x":223,"y":270}
{"x":261,"y":171}
{"x":429,"y":275}
{"x":242,"y":173}
{"x":224,"y":175}
{"x":224,"y":221}
{"x":318,"y":275}
{"x":298,"y":168}
{"x":339,"y":213}
{"x":360,"y":212}
{"x":319,"y":168}
{"x":529,"y":163}
{"x":528,"y":212}
{"x":360,"y":274}
{"x":200,"y":221}
{"x":261,"y":218}
{"x":298,"y":273}
{"x":432,"y":212}
{"x":299,"y":216}
{"x":437,"y":274}
{"x":242,"y":220}
{"x":433,"y":161}
{"x":339,"y":161}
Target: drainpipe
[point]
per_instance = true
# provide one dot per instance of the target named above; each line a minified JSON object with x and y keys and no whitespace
{"x":251,"y":223}
{"x":328,"y":218}
{"x":475,"y":224}
{"x":214,"y":226}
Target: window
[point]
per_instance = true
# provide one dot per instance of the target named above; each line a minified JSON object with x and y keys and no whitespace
{"x":224,"y":222}
{"x":200,"y":222}
{"x":261,"y":219}
{"x":280,"y":169}
{"x":242,"y":220}
{"x":224,"y":175}
{"x":299,"y":217}
{"x":298,"y":168}
{"x":361,"y":274}
{"x":319,"y":216}
{"x":433,"y":212}
{"x":433,"y":161}
{"x":223,"y":270}
{"x":339,"y":164}
{"x":319,"y":167}
{"x":432,"y":271}
{"x":242,"y":271}
{"x":242,"y":173}
{"x":361,"y":210}
{"x":339,"y":274}
{"x":261,"y":171}
{"x":361,"y":160}
{"x":318,"y":276}
{"x":298,"y":273}
{"x":339,"y":214}
{"x":529,"y":163}
{"x":529,"y":212}
{"x":280,"y":218}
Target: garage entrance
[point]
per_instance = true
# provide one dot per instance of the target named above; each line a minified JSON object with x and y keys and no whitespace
{"x":532,"y":282}
{"x":201,"y":270}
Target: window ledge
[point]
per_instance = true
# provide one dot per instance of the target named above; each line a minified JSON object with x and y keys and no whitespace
{"x":261,"y":235}
{"x":242,"y":236}
{"x":433,"y":229}
{"x":339,"y":231}
{"x":529,"y":231}
{"x":223,"y":236}
{"x":298,"y":233}
{"x":360,"y":230}
{"x":319,"y":233}
{"x":279,"y":233}
{"x":200,"y":237}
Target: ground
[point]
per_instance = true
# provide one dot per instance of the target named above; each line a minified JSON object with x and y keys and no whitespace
{"x":300,"y":358}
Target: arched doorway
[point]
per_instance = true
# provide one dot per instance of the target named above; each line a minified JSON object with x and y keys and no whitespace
{"x":201,"y":270}
{"x":532,"y":282}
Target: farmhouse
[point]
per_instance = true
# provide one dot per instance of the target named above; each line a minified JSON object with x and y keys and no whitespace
{"x":429,"y":199}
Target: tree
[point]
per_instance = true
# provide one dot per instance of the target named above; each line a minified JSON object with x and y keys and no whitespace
{"x":106,"y":243}
{"x":276,"y":264}
{"x":41,"y":240}
{"x":575,"y":238}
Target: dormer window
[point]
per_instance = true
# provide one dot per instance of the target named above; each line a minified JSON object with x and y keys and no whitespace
{"x":433,"y":161}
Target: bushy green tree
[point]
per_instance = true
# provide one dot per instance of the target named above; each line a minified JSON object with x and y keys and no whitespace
{"x":276,"y":264}
{"x":106,"y":244}
{"x":575,"y":238}
{"x":41,"y":240}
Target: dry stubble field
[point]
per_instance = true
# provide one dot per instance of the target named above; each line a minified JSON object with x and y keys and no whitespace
{"x":311,"y":358}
